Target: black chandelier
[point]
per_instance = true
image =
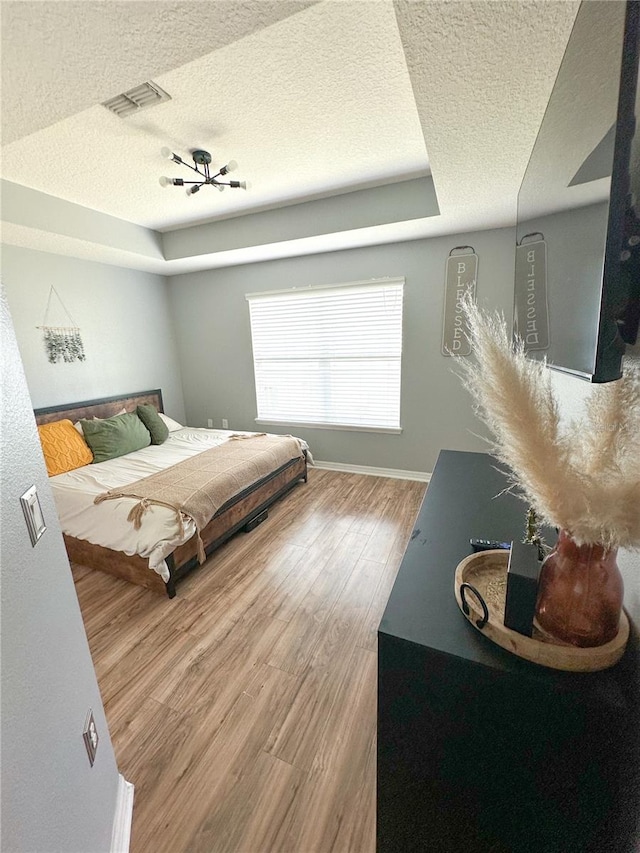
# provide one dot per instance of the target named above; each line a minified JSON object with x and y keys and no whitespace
{"x":201,"y":159}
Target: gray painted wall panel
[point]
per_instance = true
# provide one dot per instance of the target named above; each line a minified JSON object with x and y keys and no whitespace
{"x":34,"y":209}
{"x":398,"y":202}
{"x":214,"y":343}
{"x":125,"y":322}
{"x":52,"y":800}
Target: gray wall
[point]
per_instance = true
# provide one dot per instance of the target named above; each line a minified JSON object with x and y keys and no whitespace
{"x":34,"y":209}
{"x":400,"y":202}
{"x":214,"y":344}
{"x":52,"y":800}
{"x":124,"y":317}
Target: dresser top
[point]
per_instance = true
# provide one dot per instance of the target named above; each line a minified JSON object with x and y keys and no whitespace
{"x":466,"y":499}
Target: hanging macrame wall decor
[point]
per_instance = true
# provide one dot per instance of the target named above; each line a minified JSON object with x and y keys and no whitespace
{"x":62,"y":343}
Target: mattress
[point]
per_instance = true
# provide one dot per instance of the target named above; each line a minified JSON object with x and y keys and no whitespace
{"x":107,"y":524}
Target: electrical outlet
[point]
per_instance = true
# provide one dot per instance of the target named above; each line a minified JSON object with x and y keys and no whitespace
{"x":225,"y":423}
{"x":210,"y":423}
{"x":90,"y":735}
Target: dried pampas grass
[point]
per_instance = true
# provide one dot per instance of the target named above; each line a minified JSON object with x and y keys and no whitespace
{"x":584,"y":477}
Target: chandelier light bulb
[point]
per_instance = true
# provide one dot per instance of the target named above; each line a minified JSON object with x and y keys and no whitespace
{"x":166,"y":152}
{"x":243,"y":185}
{"x":192,"y":190}
{"x":219,"y":187}
{"x":165,"y":182}
{"x":231,"y":166}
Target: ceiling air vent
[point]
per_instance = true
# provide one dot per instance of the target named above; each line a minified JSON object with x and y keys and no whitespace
{"x":145,"y":95}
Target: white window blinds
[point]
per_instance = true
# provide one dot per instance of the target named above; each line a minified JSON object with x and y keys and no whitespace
{"x":329,"y":355}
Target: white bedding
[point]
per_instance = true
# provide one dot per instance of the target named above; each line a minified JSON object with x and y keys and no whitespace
{"x":106,"y":524}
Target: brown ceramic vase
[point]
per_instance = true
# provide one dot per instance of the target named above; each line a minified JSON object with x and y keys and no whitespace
{"x":580,"y":593}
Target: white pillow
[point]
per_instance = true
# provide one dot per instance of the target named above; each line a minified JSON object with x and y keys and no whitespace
{"x":78,"y":425}
{"x":171,"y":424}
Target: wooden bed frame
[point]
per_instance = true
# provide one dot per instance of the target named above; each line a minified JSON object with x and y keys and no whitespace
{"x":243,"y":512}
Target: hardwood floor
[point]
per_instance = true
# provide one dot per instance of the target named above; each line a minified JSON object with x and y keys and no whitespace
{"x":244,"y":710}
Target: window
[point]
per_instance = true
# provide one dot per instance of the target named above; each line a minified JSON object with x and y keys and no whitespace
{"x":329,"y":356}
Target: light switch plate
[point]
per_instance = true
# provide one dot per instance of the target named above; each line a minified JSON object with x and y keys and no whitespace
{"x":33,"y":514}
{"x":90,"y":736}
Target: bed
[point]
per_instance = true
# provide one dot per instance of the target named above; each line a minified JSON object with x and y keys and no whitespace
{"x":242,"y":511}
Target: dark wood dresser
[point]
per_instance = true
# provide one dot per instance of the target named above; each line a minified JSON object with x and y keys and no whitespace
{"x":477,"y":749}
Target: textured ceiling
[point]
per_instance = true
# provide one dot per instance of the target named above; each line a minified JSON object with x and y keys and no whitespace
{"x":482,"y":74}
{"x":78,"y":53}
{"x":311,"y":99}
{"x":580,"y":114}
{"x":317,"y":102}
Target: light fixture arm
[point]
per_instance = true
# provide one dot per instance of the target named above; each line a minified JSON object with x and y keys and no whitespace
{"x":189,"y":166}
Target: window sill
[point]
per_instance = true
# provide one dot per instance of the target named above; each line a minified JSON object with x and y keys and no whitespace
{"x":343,"y":427}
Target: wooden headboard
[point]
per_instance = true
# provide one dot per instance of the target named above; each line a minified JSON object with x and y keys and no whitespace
{"x":104,"y":407}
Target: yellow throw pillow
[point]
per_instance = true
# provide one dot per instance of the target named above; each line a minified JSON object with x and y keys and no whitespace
{"x":64,"y":449}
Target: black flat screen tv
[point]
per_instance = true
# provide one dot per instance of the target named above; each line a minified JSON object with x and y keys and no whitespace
{"x":577,"y":281}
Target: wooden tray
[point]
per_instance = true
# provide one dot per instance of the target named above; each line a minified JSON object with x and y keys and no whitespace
{"x":487,"y":572}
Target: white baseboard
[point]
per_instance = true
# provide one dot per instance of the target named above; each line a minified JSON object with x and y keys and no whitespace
{"x":394,"y":473}
{"x":121,"y":835}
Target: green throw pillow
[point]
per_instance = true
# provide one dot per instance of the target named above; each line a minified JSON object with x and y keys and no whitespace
{"x":153,"y":422}
{"x":115,"y":436}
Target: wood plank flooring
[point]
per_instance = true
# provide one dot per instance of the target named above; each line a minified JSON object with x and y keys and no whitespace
{"x":244,"y":710}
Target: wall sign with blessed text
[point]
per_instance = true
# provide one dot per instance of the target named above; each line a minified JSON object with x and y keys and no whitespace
{"x":460,"y":277}
{"x":530,"y":308}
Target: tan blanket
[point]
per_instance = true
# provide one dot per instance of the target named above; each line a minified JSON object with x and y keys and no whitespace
{"x":199,"y":486}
